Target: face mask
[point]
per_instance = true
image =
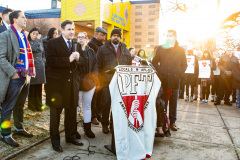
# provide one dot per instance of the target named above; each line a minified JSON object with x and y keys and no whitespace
{"x":170,"y":41}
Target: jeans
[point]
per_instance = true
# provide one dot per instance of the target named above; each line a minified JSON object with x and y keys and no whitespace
{"x":14,"y":101}
{"x":238,"y":98}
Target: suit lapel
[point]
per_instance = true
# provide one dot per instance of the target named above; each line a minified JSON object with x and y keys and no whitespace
{"x":15,"y":42}
{"x":63,"y":44}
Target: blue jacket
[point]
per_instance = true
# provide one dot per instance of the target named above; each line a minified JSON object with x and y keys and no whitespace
{"x":2,"y":28}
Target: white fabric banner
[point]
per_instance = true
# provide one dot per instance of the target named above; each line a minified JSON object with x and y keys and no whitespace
{"x":133,"y":96}
{"x":190,"y":63}
{"x":204,"y":69}
{"x":217,"y":71}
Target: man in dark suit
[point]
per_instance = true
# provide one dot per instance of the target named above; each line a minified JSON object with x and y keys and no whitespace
{"x":63,"y":84}
{"x":5,"y":21}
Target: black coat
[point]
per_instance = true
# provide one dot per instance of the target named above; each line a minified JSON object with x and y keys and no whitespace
{"x":88,"y":70}
{"x":63,"y":77}
{"x":170,"y":65}
{"x":39,"y":62}
{"x":107,"y":61}
{"x":95,"y":44}
{"x":2,"y":28}
{"x":226,"y":63}
{"x":236,"y":76}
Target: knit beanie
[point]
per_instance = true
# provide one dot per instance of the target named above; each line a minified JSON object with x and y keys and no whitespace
{"x":116,"y":31}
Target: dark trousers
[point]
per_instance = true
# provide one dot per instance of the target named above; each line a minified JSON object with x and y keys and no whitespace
{"x":206,"y":91}
{"x":172,"y":107}
{"x":214,"y":89}
{"x":187,"y":89}
{"x":234,"y":96}
{"x":106,"y":104}
{"x":69,"y":124}
{"x":225,"y":88}
{"x":35,"y":97}
{"x":14,"y":102}
{"x":96,"y":105}
{"x":182,"y":87}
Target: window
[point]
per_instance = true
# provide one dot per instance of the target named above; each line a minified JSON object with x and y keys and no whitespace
{"x":138,"y":7}
{"x":138,"y":40}
{"x":151,"y":19}
{"x":150,"y":39}
{"x":138,"y":20}
{"x":150,"y":33}
{"x":138,"y":27}
{"x":137,"y":46}
{"x":152,"y":6}
{"x":151,"y":13}
{"x":138,"y":13}
{"x":151,"y":26}
{"x":138,"y":33}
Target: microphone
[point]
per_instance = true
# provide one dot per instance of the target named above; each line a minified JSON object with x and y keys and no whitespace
{"x":74,"y":45}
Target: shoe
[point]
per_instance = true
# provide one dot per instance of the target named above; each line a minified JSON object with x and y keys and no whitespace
{"x":159,"y":135}
{"x":78,"y":136}
{"x":23,"y":133}
{"x":180,"y":97}
{"x":233,"y":101}
{"x":95,"y":121}
{"x":75,"y":142}
{"x":10,"y":141}
{"x":88,"y":131}
{"x":195,"y":99}
{"x":228,"y":103}
{"x":58,"y":148}
{"x":203,"y":101}
{"x":187,"y":98}
{"x":217,"y":103}
{"x":212,"y":100}
{"x":191,"y":99}
{"x":105,"y":129}
{"x":206,"y":101}
{"x":173,"y":127}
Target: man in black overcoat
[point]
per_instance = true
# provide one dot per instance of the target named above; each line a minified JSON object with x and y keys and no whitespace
{"x":63,"y":84}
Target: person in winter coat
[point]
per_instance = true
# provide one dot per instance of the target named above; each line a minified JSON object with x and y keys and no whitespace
{"x":88,"y":75}
{"x":191,"y":79}
{"x":215,"y":84}
{"x":35,"y":90}
{"x":110,"y":55}
{"x":226,"y":63}
{"x":236,"y":82}
{"x":205,"y":83}
{"x":170,"y":63}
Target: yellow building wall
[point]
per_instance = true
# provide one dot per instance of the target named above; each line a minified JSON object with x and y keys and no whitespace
{"x":116,"y":15}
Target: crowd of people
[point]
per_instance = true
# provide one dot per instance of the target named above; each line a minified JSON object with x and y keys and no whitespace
{"x":77,"y":72}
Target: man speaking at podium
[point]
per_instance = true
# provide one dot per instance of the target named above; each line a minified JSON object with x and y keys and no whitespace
{"x":110,"y":55}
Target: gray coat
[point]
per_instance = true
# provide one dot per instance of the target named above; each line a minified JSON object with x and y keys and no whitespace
{"x":9,"y":55}
{"x":39,"y":62}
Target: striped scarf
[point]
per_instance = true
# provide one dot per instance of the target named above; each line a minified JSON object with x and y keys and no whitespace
{"x":21,"y":65}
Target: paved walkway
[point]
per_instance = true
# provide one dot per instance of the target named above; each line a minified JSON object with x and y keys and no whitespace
{"x":206,"y":132}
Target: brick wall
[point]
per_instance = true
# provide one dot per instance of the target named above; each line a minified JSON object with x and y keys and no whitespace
{"x":144,"y":26}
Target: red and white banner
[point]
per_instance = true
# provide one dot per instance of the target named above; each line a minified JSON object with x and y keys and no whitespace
{"x":204,"y":69}
{"x":190,"y":63}
{"x":133,"y":96}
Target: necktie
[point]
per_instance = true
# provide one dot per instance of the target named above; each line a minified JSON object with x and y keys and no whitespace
{"x":69,"y":46}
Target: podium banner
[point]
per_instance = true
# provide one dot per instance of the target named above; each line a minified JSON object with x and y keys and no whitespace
{"x":133,"y":92}
{"x":190,"y":63}
{"x":204,"y":69}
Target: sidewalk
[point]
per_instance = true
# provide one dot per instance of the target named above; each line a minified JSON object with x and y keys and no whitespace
{"x":206,"y":132}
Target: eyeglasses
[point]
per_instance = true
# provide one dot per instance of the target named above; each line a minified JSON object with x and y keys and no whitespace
{"x":81,"y":37}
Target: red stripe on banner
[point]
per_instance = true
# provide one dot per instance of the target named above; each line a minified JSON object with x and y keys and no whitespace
{"x":148,"y":156}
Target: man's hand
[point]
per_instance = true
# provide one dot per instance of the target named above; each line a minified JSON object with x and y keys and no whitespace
{"x":74,"y":56}
{"x":14,"y":76}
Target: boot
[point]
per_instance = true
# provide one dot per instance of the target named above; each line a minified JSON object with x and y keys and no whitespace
{"x":88,"y":131}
